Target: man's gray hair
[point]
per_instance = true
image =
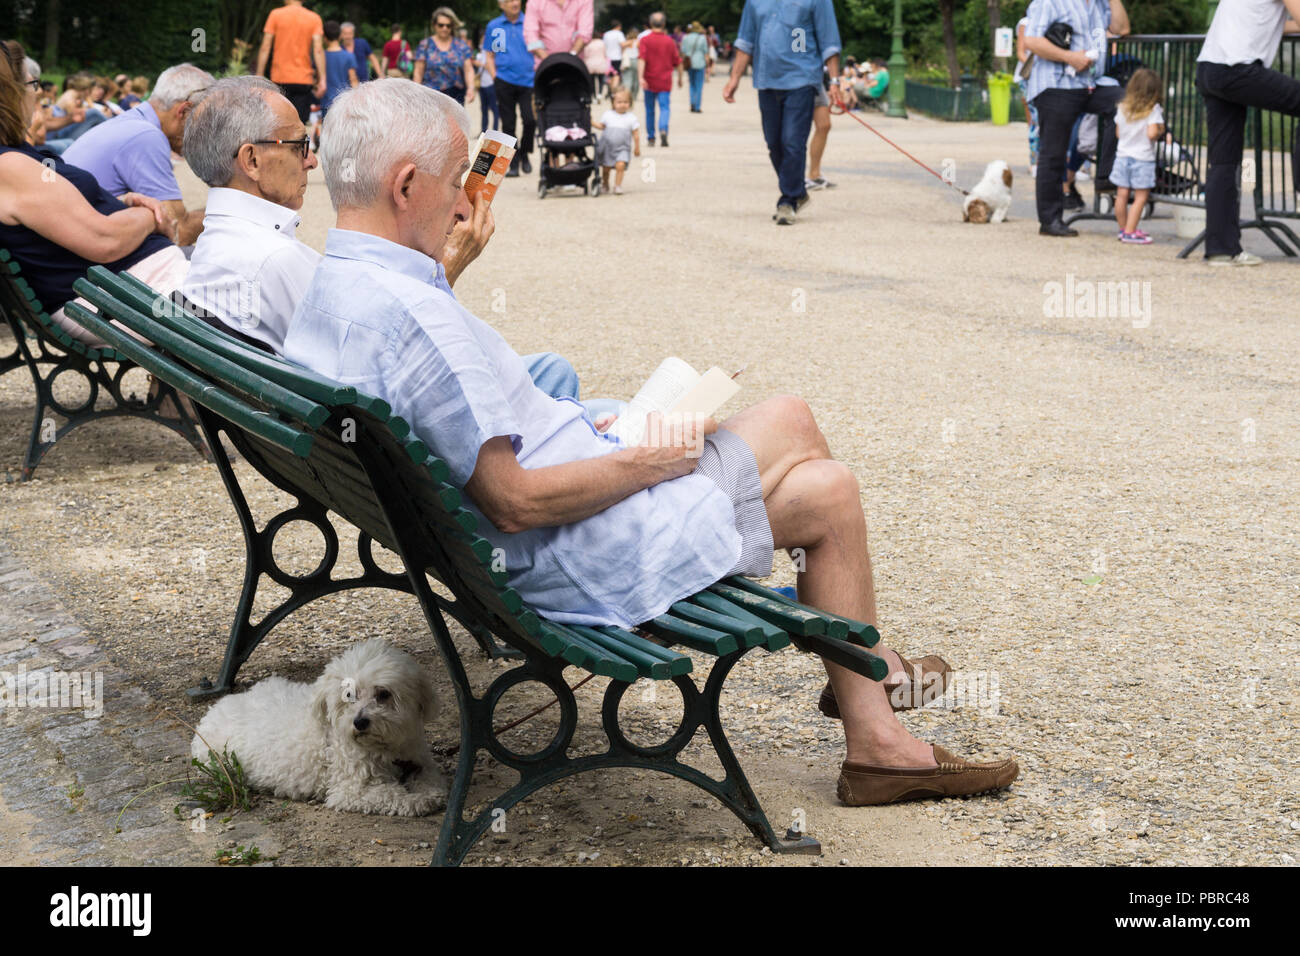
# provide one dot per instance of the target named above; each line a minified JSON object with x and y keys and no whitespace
{"x":176,"y":83}
{"x":32,"y":69}
{"x":377,"y":125}
{"x":230,"y":113}
{"x":347,"y":25}
{"x":658,"y":20}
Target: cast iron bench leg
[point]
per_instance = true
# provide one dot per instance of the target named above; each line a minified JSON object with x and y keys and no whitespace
{"x":551,"y":764}
{"x":259,"y":560}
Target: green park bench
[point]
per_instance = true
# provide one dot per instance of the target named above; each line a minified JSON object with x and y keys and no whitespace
{"x":51,"y":354}
{"x":336,"y":450}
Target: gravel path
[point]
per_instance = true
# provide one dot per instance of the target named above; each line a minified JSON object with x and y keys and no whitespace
{"x":1091,"y":512}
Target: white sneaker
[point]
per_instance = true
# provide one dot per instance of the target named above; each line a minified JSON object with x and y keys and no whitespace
{"x":1240,"y":259}
{"x":618,"y":190}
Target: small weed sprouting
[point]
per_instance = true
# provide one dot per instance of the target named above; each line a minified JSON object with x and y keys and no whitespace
{"x":239,"y":856}
{"x":219,"y":783}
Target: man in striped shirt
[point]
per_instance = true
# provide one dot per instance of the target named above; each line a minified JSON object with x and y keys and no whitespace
{"x":1066,"y":83}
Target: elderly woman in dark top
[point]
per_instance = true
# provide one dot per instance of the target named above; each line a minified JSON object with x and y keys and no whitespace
{"x":57,"y":222}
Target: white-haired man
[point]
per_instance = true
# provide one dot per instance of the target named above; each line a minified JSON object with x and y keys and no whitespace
{"x":249,"y":269}
{"x":592,"y":531}
{"x":132,"y":153}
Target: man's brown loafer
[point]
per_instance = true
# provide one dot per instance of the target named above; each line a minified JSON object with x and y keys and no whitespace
{"x":929,"y":680}
{"x":862,"y":785}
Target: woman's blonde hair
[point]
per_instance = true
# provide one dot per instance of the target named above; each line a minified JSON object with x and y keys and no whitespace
{"x":445,"y":12}
{"x":1144,"y":91}
{"x":13,"y":95}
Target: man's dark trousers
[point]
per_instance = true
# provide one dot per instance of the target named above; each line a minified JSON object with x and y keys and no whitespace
{"x":508,"y":95}
{"x":787,"y":121}
{"x":1228,"y":90}
{"x":300,"y":95}
{"x":1057,"y":111}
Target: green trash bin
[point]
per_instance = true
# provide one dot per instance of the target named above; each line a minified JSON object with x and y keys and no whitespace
{"x":1000,"y":98}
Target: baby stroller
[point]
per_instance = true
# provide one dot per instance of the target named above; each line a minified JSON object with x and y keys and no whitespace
{"x":562,"y":91}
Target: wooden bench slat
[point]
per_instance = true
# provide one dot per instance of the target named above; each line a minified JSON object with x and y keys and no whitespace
{"x":276,"y":396}
{"x":646,"y":664}
{"x":607,"y":663}
{"x":307,"y":383}
{"x":774,"y":637}
{"x":695,"y":636}
{"x":198,"y":389}
{"x":749,"y":635}
{"x":794,"y":619}
{"x":857,"y":631}
{"x":677,"y":662}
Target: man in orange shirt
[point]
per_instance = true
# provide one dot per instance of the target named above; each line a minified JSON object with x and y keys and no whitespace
{"x":297,"y":35}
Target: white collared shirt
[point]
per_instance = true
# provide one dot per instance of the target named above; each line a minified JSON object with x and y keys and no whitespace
{"x":1244,"y":31}
{"x":248,"y":268}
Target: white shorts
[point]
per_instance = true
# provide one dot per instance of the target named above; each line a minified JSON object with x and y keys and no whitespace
{"x":164,"y":271}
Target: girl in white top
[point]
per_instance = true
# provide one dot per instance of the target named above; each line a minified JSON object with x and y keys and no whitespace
{"x":621,"y":140}
{"x":1139,"y":122}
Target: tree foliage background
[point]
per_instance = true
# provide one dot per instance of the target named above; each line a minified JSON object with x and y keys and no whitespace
{"x":146,"y":36}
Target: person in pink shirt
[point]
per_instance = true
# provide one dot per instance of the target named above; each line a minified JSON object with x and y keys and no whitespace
{"x":557,"y":26}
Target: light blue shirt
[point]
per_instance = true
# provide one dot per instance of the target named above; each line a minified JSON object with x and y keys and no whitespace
{"x":789,"y":40}
{"x":378,"y":315}
{"x":128,"y":154}
{"x":1089,"y":18}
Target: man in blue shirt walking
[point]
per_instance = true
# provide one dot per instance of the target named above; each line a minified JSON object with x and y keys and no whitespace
{"x":788,"y":42}
{"x":510,"y":65}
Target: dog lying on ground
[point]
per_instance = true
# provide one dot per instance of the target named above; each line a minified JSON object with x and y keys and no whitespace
{"x":354,"y":738}
{"x":991,"y":197}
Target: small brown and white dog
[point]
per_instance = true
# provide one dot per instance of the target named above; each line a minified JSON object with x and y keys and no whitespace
{"x":991,"y":197}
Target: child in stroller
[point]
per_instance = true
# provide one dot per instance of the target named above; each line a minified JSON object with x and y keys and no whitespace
{"x":562,"y":89}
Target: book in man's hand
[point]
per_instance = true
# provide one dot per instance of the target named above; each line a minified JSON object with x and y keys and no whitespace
{"x":674,"y":389}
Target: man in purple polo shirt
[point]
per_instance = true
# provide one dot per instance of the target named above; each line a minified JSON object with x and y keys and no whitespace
{"x":132,"y":153}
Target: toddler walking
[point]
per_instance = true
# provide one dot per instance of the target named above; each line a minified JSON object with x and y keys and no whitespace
{"x":1139,"y":122}
{"x":620,"y":140}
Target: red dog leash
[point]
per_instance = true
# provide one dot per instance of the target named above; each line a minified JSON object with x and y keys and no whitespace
{"x":937,"y":176}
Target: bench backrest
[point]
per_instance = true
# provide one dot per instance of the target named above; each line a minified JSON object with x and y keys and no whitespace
{"x":19,"y":301}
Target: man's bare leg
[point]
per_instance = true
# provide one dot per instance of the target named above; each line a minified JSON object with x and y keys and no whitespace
{"x":817,"y":142}
{"x":812,"y":503}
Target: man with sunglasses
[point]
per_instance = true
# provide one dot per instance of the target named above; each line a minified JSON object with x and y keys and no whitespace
{"x":249,"y":270}
{"x":132,"y":153}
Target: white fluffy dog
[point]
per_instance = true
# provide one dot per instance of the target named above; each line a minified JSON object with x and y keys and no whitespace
{"x":354,"y":738}
{"x":991,"y":198}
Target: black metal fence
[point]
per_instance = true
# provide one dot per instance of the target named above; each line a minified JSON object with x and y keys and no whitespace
{"x":1181,"y":160}
{"x":967,"y":103}
{"x":1268,"y":168}
{"x":1274,"y":136}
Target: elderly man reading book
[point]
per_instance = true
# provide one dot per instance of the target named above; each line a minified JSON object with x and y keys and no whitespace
{"x":593,"y":530}
{"x":249,"y":269}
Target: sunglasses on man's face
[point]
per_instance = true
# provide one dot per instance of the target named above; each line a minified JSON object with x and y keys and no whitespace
{"x":33,"y":85}
{"x":447,"y":25}
{"x":301,"y":145}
